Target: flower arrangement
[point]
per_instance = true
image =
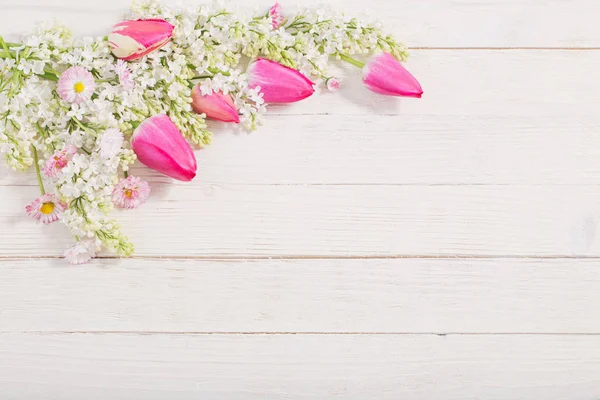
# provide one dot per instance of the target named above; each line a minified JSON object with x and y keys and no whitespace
{"x":81,"y":111}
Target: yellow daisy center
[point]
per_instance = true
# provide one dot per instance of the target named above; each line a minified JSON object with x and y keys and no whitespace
{"x":128,"y":193}
{"x":47,"y":208}
{"x":79,"y":87}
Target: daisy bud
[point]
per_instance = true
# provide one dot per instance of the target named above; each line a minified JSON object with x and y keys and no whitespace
{"x":278,"y":83}
{"x":333,"y":84}
{"x":384,"y":74}
{"x":131,"y":40}
{"x":217,"y":106}
{"x":159,"y":145}
{"x":277,"y":18}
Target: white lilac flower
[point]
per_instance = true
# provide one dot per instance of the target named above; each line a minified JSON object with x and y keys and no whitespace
{"x":75,"y":85}
{"x":111,"y":143}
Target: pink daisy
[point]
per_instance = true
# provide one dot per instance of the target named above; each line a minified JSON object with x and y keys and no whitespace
{"x":131,"y":192}
{"x":82,"y":252}
{"x":276,"y":18}
{"x":333,"y":84}
{"x":76,"y":84}
{"x":124,"y":74}
{"x":46,"y":208}
{"x":59,"y":160}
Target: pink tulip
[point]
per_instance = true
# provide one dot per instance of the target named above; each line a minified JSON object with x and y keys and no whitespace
{"x":384,"y":74}
{"x":279,"y":84}
{"x":159,"y":145}
{"x":217,"y":106}
{"x":131,"y":40}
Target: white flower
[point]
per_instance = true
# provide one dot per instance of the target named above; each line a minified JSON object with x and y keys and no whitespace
{"x":75,"y":85}
{"x":82,"y":252}
{"x":111,"y":143}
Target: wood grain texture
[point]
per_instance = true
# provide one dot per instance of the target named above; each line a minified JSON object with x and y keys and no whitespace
{"x":382,"y":296}
{"x":514,"y":132}
{"x":395,"y":150}
{"x":181,"y":367}
{"x":432,"y":23}
{"x":244,"y":220}
{"x":498,"y":161}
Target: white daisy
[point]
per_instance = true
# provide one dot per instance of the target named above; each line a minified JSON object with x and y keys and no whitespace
{"x":82,"y":252}
{"x":76,"y":84}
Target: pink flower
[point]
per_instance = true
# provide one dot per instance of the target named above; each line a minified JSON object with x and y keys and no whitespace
{"x":278,"y":83}
{"x":217,"y":106}
{"x":276,"y":18}
{"x":46,"y":208}
{"x":75,"y":85}
{"x":82,"y":252}
{"x":333,"y":84}
{"x":58,"y":161}
{"x":124,"y":74}
{"x":384,"y":74}
{"x":131,"y":40}
{"x":130,"y":192}
{"x":159,"y":145}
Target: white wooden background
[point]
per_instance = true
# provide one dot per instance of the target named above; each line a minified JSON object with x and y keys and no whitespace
{"x":357,"y":247}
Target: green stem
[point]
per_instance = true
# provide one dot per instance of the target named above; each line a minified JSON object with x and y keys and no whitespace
{"x":5,"y":47}
{"x":50,"y":76}
{"x":218,"y":71}
{"x":126,"y":174}
{"x":36,"y":160}
{"x":351,"y":60}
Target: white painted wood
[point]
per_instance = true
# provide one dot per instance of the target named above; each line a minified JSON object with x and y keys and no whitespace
{"x":241,"y":220}
{"x":395,"y":150}
{"x":498,"y":159}
{"x":398,"y":295}
{"x":258,"y":367}
{"x":433,"y":23}
{"x":516,"y":131}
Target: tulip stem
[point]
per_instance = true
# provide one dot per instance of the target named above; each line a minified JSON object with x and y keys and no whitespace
{"x":351,"y":60}
{"x":36,"y":160}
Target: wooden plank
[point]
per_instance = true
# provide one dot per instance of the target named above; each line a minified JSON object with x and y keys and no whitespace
{"x":181,"y":367}
{"x":515,"y":131}
{"x":386,"y":296}
{"x":407,"y":150}
{"x":434,"y":23}
{"x":211,"y":220}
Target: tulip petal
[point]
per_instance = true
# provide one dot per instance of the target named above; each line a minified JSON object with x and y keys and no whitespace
{"x":159,"y":145}
{"x":384,"y":74}
{"x":131,"y":40}
{"x":217,"y":106}
{"x":278,"y":83}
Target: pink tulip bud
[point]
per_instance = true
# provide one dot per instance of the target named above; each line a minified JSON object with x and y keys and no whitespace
{"x":159,"y":145}
{"x":384,"y":74}
{"x":131,"y":40}
{"x":217,"y":105}
{"x":278,"y":83}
